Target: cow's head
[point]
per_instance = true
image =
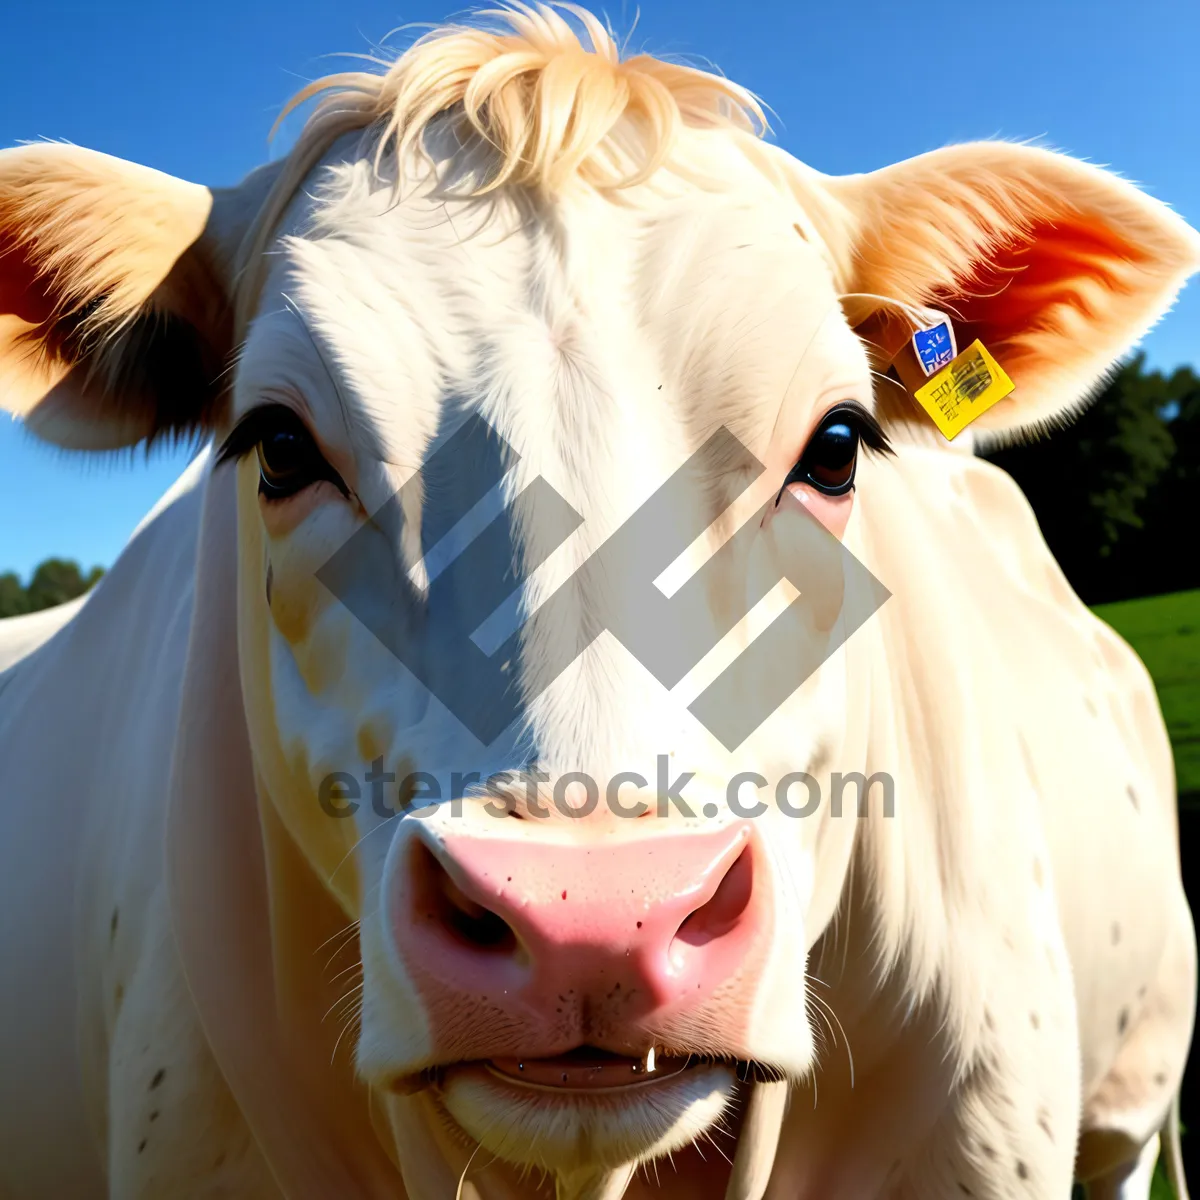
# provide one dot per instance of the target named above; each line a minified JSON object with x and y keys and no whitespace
{"x":492,"y":303}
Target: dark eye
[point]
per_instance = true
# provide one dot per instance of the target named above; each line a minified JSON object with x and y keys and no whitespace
{"x":288,"y":457}
{"x":288,"y":460}
{"x":830,"y":457}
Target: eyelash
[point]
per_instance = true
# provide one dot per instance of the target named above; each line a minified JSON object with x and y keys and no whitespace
{"x":866,"y":431}
{"x":250,"y":432}
{"x":260,"y":423}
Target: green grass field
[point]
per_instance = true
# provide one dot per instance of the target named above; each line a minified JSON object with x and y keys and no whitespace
{"x":1165,"y":631}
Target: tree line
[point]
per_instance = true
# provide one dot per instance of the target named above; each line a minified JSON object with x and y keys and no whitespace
{"x":1117,"y":495}
{"x":54,"y":581}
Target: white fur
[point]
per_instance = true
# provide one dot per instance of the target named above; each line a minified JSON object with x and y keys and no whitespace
{"x":959,"y":954}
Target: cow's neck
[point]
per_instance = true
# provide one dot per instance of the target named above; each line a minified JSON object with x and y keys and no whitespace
{"x":889,"y":963}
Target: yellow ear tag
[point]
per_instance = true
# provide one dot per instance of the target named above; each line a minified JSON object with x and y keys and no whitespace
{"x":964,"y":390}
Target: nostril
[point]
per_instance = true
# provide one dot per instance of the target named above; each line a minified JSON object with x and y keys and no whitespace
{"x":720,"y":914}
{"x":472,"y":922}
{"x":445,"y":904}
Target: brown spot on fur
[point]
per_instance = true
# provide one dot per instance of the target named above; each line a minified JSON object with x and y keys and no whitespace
{"x":112,"y":924}
{"x":1161,"y":1078}
{"x":988,"y":1020}
{"x":154,"y":1115}
{"x":1043,"y":1121}
{"x":1133,"y":798}
{"x":370,"y":741}
{"x":966,"y":1191}
{"x":1022,"y":1171}
{"x":1116,"y":933}
{"x":321,"y":661}
{"x":158,"y":1078}
{"x":1123,"y":1021}
{"x":987,"y":1150}
{"x":1035,"y":1020}
{"x":141,"y":1145}
{"x":298,"y":603}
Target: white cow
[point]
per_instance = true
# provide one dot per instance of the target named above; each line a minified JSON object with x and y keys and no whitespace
{"x":229,"y":970}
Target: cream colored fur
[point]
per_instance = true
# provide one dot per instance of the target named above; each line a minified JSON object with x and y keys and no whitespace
{"x":601,"y":259}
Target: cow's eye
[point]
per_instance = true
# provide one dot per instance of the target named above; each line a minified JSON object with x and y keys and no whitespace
{"x":830,"y":459}
{"x":288,"y":457}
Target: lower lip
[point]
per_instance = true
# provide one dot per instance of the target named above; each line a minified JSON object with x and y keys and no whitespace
{"x":575,"y":1074}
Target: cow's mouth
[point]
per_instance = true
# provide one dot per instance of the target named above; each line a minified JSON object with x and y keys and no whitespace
{"x":590,"y":1068}
{"x":587,"y":1068}
{"x":591,"y":1108}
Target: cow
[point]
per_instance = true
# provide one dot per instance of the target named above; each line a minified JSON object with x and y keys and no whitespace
{"x":256,"y":945}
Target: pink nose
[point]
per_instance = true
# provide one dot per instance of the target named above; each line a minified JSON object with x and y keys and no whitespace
{"x":640,"y":926}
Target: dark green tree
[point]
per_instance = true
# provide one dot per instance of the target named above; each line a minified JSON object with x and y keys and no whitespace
{"x":1166,"y":553}
{"x":54,"y":581}
{"x":1110,"y":489}
{"x":13,"y":600}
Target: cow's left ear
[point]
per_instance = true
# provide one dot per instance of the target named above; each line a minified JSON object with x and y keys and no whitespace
{"x":1058,"y":267}
{"x":115,"y":295}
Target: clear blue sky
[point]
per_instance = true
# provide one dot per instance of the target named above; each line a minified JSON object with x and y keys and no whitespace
{"x":193,"y":89}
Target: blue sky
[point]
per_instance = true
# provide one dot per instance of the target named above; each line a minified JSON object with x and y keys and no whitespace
{"x":193,"y":89}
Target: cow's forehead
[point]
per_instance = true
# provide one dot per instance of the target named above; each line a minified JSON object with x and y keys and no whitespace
{"x":708,"y":307}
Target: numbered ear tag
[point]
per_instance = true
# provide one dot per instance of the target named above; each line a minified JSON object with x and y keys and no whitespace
{"x":934,"y":346}
{"x":963,"y":390}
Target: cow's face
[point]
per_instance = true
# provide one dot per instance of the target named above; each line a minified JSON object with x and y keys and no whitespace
{"x":555,"y":768}
{"x":579,"y":967}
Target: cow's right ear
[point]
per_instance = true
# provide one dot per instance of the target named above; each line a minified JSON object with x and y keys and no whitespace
{"x":115,"y":296}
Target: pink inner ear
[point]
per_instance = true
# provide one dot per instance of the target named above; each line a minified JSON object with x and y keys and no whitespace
{"x":22,"y":292}
{"x":1067,"y":268}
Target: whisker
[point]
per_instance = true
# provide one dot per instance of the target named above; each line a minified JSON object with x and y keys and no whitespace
{"x":353,"y":992}
{"x":341,"y":933}
{"x":463,"y":1178}
{"x":708,"y":1138}
{"x":820,"y":1030}
{"x":354,"y":966}
{"x":352,"y":1024}
{"x":828,"y":1008}
{"x":382,"y":825}
{"x":345,"y":1029}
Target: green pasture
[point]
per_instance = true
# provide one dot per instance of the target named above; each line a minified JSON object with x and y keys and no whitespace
{"x":1165,"y":632}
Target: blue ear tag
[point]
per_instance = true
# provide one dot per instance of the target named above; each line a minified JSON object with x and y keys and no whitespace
{"x":935,"y":346}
